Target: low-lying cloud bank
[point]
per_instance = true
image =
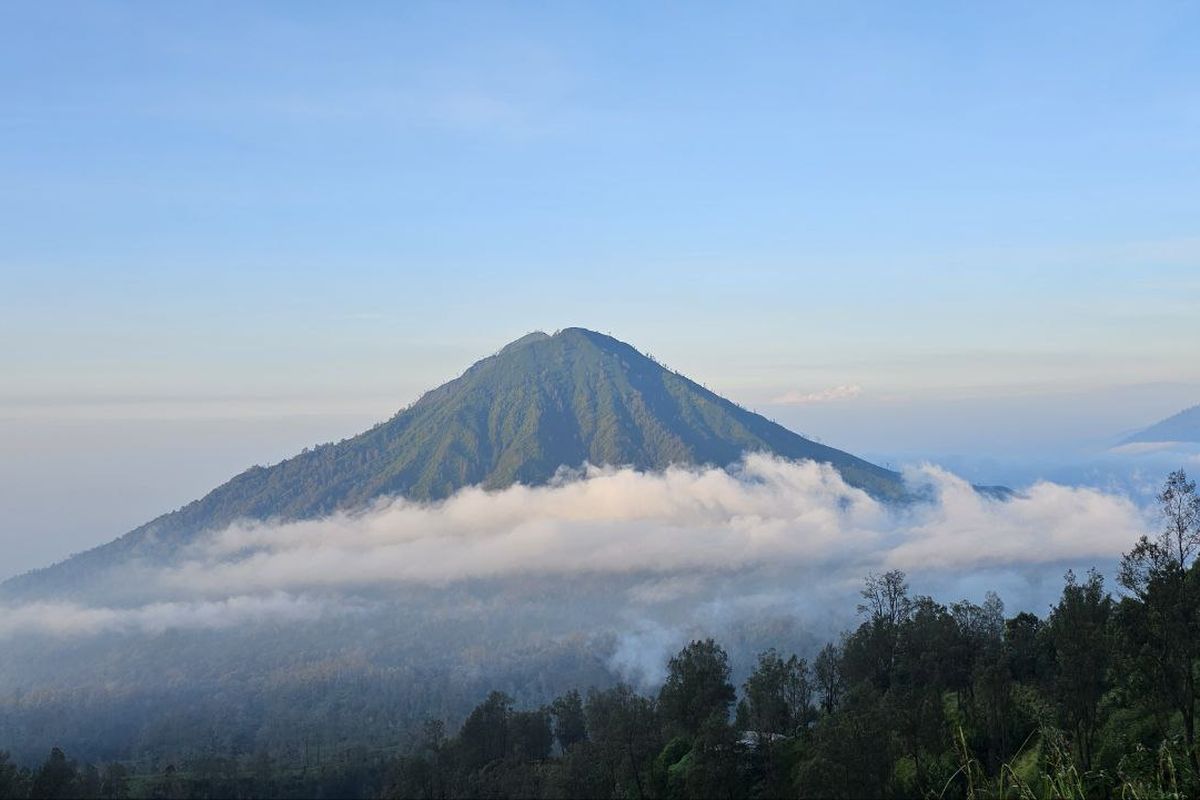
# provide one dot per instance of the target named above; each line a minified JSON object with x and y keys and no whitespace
{"x":680,"y":525}
{"x":767,"y":511}
{"x":69,"y":619}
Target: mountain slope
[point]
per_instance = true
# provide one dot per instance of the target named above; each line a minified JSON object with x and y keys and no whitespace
{"x":540,"y":403}
{"x":1181,"y":427}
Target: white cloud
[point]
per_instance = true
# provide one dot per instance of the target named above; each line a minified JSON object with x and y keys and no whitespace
{"x":1141,"y":448}
{"x":846,"y":391}
{"x":69,"y":619}
{"x":611,"y":520}
{"x":1047,"y":523}
{"x":669,"y":533}
{"x":766,"y":511}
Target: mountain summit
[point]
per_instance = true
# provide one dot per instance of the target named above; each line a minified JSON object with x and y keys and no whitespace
{"x":540,"y":403}
{"x":1181,"y":427}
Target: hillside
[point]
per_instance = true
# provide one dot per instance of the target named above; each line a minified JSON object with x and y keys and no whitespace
{"x":1181,"y":427}
{"x":540,"y":403}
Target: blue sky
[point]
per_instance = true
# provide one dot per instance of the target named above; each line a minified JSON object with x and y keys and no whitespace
{"x":227,"y":214}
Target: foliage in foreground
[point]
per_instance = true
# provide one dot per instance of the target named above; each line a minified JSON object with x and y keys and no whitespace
{"x":921,"y":700}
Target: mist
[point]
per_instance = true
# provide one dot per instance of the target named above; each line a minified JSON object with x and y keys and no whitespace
{"x":422,"y":608}
{"x":794,"y":532}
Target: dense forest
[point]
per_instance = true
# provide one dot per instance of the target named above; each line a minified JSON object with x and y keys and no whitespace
{"x":1096,"y":699}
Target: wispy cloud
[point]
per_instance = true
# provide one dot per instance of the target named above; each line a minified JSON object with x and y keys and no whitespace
{"x":72,"y":619}
{"x":846,"y":391}
{"x":1140,"y":448}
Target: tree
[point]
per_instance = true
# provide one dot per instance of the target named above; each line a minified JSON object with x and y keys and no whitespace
{"x":570,"y":725}
{"x":885,"y":598}
{"x":624,"y":735}
{"x":870,"y":652}
{"x":1181,"y":507}
{"x":13,"y":781}
{"x":115,"y":784}
{"x":1162,"y":627}
{"x":531,"y":734}
{"x":1173,"y":551}
{"x":433,"y":736}
{"x":697,"y":687}
{"x":980,"y":638}
{"x":984,"y":624}
{"x":1078,"y":628}
{"x":1025,"y":648}
{"x":778,"y":695}
{"x":827,"y":669}
{"x":88,"y":782}
{"x":913,"y":702}
{"x":484,"y":735}
{"x":851,"y":756}
{"x":713,"y":768}
{"x":55,"y":779}
{"x":422,"y":774}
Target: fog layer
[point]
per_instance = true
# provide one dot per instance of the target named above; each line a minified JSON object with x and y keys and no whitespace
{"x":665,"y":535}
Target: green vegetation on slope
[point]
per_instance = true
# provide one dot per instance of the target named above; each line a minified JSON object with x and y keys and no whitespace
{"x":541,"y":403}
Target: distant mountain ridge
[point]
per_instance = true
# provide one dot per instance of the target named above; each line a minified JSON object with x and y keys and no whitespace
{"x":540,"y":403}
{"x":1181,"y":427}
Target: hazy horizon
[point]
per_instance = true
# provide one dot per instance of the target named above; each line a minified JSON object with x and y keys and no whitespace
{"x":232,"y":232}
{"x":174,"y":450}
{"x":856,"y":456}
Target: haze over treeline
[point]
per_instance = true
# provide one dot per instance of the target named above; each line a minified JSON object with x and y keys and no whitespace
{"x":599,"y":400}
{"x":469,"y":542}
{"x":963,"y":699}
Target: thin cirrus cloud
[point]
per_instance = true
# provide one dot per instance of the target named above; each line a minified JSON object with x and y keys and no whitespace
{"x":765,"y":516}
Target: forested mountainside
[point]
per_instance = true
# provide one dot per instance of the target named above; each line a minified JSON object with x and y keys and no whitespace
{"x":541,"y":403}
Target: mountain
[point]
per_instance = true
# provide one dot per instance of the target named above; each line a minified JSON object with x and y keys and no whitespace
{"x":1181,"y":427}
{"x":540,"y":403}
